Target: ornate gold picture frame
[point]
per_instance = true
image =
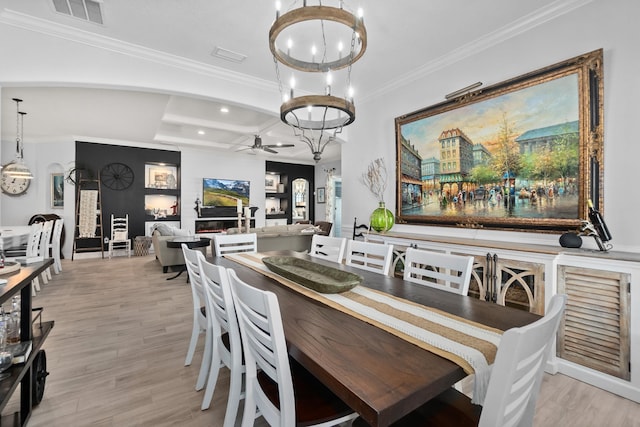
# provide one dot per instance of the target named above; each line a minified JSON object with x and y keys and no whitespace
{"x":524,"y":154}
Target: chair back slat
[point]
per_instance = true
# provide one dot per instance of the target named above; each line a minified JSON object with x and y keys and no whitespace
{"x":448,"y":272}
{"x":370,"y":256}
{"x":329,"y":248}
{"x":235,"y":243}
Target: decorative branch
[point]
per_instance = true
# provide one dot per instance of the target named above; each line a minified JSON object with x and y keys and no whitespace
{"x":376,"y":177}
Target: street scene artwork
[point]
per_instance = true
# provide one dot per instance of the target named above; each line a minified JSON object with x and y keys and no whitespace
{"x":500,"y":158}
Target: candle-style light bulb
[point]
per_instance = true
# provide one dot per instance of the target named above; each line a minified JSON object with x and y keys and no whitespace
{"x":350,"y":93}
{"x":292,"y":83}
{"x":309,"y":110}
{"x":340,"y":48}
{"x":313,"y":53}
{"x":289,"y":46}
{"x":278,"y":6}
{"x":329,"y":81}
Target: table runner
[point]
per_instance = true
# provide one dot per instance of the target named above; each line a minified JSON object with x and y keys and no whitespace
{"x":469,"y":344}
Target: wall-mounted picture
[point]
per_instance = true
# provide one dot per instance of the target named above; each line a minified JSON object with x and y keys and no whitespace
{"x":320,"y":196}
{"x":271,"y":183}
{"x":161,"y":206}
{"x":522,"y":154}
{"x":161,"y":176}
{"x":57,"y":190}
{"x":224,"y":192}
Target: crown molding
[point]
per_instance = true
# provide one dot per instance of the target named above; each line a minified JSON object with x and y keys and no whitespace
{"x":31,"y":23}
{"x":515,"y":28}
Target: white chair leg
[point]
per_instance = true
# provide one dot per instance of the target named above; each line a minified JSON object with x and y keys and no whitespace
{"x":214,"y":369}
{"x":195,"y":333}
{"x":235,"y":394}
{"x":36,"y":284}
{"x":206,"y":361}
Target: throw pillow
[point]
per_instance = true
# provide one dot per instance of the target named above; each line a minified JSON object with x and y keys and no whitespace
{"x":164,"y":229}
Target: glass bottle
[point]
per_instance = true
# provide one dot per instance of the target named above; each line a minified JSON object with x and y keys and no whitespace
{"x":13,"y":322}
{"x":598,"y":223}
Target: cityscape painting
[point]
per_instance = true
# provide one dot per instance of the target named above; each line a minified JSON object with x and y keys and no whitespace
{"x":517,"y":155}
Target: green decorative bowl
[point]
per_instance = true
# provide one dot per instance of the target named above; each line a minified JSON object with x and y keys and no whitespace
{"x":319,"y":277}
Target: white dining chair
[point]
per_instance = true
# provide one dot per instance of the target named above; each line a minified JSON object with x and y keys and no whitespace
{"x":33,"y":250}
{"x":120,"y":235}
{"x":514,"y":385}
{"x":43,"y":248}
{"x":235,"y":243}
{"x":285,"y":393}
{"x":448,"y":272}
{"x":226,"y":349}
{"x":54,"y":245}
{"x":327,"y":247}
{"x":369,"y":256}
{"x":200,"y":322}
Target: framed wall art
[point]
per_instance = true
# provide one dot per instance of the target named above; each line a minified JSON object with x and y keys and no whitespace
{"x":524,"y":154}
{"x":320,"y":195}
{"x":57,"y":190}
{"x":161,"y":176}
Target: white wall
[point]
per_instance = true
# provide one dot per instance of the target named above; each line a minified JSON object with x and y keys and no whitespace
{"x":198,"y":164}
{"x":607,"y":24}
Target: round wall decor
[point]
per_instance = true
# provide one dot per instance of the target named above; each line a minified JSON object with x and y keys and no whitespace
{"x":117,"y":176}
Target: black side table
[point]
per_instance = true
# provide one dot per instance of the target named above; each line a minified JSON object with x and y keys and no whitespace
{"x":191,"y":242}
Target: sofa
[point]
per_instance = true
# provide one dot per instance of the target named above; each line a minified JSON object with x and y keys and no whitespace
{"x":294,"y":237}
{"x":168,"y":257}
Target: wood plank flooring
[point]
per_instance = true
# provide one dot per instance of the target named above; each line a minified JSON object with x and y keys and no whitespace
{"x":116,"y":357}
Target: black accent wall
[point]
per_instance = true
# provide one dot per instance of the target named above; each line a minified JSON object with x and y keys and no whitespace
{"x":93,"y":157}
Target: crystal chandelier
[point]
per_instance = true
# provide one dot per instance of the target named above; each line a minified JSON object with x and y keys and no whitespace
{"x":17,"y":168}
{"x":312,"y":39}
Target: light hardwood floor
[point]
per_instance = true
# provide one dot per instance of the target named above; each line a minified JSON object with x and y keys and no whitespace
{"x":116,"y":356}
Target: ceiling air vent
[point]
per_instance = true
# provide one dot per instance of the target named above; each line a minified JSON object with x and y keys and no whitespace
{"x":88,"y":10}
{"x":228,"y":55}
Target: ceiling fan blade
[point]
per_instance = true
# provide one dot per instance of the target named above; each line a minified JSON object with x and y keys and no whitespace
{"x":269,"y":150}
{"x":248,"y":147}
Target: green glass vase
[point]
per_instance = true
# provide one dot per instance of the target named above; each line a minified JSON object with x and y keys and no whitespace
{"x":382,"y":219}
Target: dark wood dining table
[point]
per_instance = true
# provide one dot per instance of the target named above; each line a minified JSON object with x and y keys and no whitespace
{"x":378,"y":374}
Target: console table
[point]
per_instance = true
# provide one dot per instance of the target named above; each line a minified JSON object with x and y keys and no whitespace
{"x":22,"y":374}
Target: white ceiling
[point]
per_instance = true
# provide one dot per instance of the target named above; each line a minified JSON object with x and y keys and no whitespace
{"x":405,"y":39}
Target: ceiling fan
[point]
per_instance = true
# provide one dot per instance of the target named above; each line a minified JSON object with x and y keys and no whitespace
{"x":269,"y":148}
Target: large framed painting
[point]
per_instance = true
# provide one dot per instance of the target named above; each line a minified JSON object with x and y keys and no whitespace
{"x":524,"y":154}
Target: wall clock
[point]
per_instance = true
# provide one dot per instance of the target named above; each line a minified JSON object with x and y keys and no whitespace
{"x":13,"y":186}
{"x":117,"y":176}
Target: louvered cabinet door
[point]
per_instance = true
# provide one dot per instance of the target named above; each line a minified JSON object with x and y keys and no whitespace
{"x":595,"y":329}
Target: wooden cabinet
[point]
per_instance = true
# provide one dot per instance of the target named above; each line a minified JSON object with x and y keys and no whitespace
{"x":506,"y":277}
{"x":600,"y":327}
{"x":595,"y":331}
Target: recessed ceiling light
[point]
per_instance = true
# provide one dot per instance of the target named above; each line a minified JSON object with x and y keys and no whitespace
{"x":224,"y":110}
{"x":200,"y":132}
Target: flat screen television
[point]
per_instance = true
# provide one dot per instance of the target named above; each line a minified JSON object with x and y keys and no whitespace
{"x":224,"y":192}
